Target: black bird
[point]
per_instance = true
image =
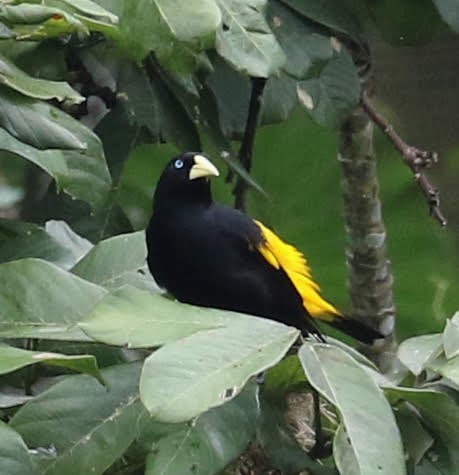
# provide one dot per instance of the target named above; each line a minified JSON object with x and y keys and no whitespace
{"x":208,"y":254}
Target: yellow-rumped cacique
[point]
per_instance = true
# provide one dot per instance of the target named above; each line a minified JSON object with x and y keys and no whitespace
{"x":209,"y":254}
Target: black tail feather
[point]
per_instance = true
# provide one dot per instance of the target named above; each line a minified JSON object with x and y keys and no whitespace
{"x":356,"y":330}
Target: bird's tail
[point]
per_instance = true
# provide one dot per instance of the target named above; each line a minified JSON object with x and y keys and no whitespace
{"x":356,"y":329}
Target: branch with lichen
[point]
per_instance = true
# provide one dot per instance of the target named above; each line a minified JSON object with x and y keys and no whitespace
{"x":417,"y":160}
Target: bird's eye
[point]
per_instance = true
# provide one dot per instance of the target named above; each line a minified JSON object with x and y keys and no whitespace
{"x":178,"y":164}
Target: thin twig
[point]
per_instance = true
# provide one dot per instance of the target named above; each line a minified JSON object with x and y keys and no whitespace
{"x":246,"y":150}
{"x":418,"y":160}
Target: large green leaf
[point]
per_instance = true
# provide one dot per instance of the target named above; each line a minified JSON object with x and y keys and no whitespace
{"x":440,"y":413}
{"x":89,"y":426}
{"x":38,"y":299}
{"x":305,"y":44}
{"x":40,"y":19}
{"x":166,"y":27}
{"x":416,"y":440}
{"x":117,"y":261}
{"x":449,"y":11}
{"x":87,"y":8}
{"x":185,"y":378}
{"x":14,"y":456}
{"x":16,"y":79}
{"x":56,"y":243}
{"x":245,"y":39}
{"x":365,"y":413}
{"x":56,"y":142}
{"x":175,"y":123}
{"x":416,"y":353}
{"x":36,"y":123}
{"x":232,"y":93}
{"x":331,"y":96}
{"x":36,"y":22}
{"x":135,"y":318}
{"x":343,"y":453}
{"x":448,"y":368}
{"x":212,"y":441}
{"x":12,"y":358}
{"x":334,"y":15}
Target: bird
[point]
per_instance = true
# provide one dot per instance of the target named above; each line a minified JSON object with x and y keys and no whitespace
{"x":209,"y":254}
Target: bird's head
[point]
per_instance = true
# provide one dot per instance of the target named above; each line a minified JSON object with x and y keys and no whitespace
{"x":186,"y":180}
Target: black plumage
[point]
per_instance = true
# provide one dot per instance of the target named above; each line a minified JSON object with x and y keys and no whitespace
{"x":209,"y":254}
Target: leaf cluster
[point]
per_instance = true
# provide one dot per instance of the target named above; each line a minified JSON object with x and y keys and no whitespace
{"x":168,"y":388}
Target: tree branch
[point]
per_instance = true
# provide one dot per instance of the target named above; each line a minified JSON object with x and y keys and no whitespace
{"x":369,"y":272}
{"x":246,"y":149}
{"x":418,"y":160}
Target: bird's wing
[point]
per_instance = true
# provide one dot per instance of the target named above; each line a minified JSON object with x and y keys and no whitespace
{"x":282,"y":255}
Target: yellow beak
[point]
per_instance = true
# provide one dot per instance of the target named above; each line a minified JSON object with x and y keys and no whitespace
{"x":202,"y":167}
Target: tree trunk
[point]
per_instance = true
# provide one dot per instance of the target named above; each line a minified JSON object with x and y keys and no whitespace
{"x":369,"y":273}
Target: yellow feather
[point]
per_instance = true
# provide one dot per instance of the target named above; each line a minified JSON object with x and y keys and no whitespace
{"x":280,"y":254}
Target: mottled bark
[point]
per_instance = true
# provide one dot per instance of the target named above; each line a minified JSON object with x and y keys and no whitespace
{"x":369,"y":272}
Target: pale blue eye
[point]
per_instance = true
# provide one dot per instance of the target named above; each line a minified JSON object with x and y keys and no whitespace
{"x":178,"y":163}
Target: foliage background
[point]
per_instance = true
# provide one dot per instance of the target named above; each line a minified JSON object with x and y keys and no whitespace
{"x":161,"y":411}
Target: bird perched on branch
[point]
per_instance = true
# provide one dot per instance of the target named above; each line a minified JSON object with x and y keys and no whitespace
{"x":208,"y":254}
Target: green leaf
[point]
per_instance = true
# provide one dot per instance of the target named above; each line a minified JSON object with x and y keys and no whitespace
{"x":245,"y":40}
{"x":16,"y":79}
{"x":175,"y":123}
{"x":279,"y":99}
{"x":330,"y":97}
{"x":14,"y":456}
{"x":37,"y":22}
{"x":89,"y":425}
{"x":166,"y":27}
{"x":87,"y":8}
{"x":451,"y":337}
{"x":416,"y":353}
{"x":211,"y":442}
{"x":209,"y":368}
{"x":305,"y":44}
{"x":365,"y":413}
{"x":40,"y":300}
{"x":81,"y":174}
{"x":11,"y":397}
{"x":448,"y":368}
{"x":449,"y":11}
{"x":440,"y":414}
{"x":75,"y":245}
{"x":129,"y":266}
{"x":416,"y":440}
{"x":36,"y":123}
{"x":329,"y":13}
{"x":12,"y":358}
{"x":343,"y":453}
{"x":136,"y":318}
{"x":56,"y":243}
{"x":232,"y":93}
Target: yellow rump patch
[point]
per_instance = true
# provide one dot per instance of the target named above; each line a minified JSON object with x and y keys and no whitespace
{"x":280,"y":254}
